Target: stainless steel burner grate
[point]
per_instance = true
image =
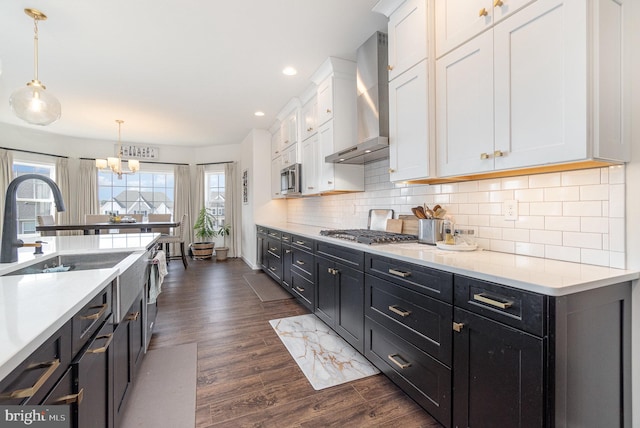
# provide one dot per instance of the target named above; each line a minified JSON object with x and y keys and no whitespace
{"x":366,"y":236}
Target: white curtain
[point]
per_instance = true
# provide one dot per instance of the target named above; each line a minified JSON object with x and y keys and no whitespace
{"x":198,"y":200}
{"x":86,"y":194}
{"x":6,"y":175}
{"x":182,"y":199}
{"x":231,"y":196}
{"x":62,"y":180}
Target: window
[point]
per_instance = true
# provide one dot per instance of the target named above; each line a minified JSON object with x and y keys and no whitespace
{"x":214,"y":195}
{"x":34,"y":197}
{"x":141,"y":193}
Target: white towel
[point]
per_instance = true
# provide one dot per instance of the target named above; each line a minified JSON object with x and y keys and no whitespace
{"x":158,"y":272}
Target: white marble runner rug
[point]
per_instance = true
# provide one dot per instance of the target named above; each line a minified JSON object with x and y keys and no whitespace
{"x":323,"y":356}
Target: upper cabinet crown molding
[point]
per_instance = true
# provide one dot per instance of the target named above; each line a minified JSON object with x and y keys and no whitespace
{"x":387,"y":7}
{"x":293,"y":104}
{"x":339,"y":67}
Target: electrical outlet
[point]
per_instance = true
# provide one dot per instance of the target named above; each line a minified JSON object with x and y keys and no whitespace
{"x":510,"y":210}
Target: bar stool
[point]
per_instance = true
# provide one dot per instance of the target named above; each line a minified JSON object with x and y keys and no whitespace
{"x":46,"y":220}
{"x":178,"y":237}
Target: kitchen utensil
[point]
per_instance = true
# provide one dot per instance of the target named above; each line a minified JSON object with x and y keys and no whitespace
{"x":428,"y":212}
{"x":418,"y":213}
{"x":439,"y":213}
{"x":429,"y":231}
{"x":378,"y":219}
{"x":394,"y":225}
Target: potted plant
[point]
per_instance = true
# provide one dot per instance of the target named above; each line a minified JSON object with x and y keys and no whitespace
{"x":221,"y":253}
{"x":204,"y":228}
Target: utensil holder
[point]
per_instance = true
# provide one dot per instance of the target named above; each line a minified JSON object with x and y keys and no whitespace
{"x":430,"y":231}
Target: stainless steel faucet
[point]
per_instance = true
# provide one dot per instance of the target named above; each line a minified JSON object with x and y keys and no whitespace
{"x":10,"y":241}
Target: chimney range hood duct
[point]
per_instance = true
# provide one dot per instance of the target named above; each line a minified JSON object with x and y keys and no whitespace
{"x":372,"y":106}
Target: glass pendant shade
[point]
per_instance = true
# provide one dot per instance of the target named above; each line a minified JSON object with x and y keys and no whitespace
{"x":134,"y":165}
{"x":35,"y":105}
{"x":101,"y":163}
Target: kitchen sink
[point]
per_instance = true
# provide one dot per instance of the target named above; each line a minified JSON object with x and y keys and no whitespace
{"x":73,"y":262}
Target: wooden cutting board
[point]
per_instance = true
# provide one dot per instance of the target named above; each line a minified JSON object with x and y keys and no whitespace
{"x":410,"y":224}
{"x":394,"y":225}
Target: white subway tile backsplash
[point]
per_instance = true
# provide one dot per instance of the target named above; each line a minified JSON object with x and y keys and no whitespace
{"x":575,"y":216}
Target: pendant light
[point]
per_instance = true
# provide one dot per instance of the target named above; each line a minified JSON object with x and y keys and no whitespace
{"x":32,"y":103}
{"x":115,"y":164}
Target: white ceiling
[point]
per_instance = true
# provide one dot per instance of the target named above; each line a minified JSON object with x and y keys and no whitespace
{"x":179,"y":72}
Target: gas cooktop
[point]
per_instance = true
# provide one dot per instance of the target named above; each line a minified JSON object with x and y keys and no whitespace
{"x":366,"y":236}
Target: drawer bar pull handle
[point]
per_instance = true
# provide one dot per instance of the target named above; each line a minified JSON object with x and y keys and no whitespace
{"x":287,"y":251}
{"x":273,"y":248}
{"x":29,"y":392}
{"x":458,"y":326}
{"x":302,"y":242}
{"x":484,"y":299}
{"x":134,"y":316}
{"x":97,"y":315}
{"x":399,"y":273}
{"x":273,"y":268}
{"x":398,"y":310}
{"x":300,"y":262}
{"x":104,"y":347}
{"x":71,"y":398}
{"x":300,"y":289}
{"x":394,"y":359}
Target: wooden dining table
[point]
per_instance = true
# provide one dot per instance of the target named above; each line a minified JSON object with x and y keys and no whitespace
{"x":99,"y":227}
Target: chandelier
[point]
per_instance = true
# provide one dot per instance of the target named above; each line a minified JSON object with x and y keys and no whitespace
{"x":32,"y":103}
{"x":115,"y":164}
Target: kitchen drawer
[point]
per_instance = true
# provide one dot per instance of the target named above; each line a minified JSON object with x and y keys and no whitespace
{"x":421,"y":320}
{"x":87,"y":321}
{"x":274,"y":267}
{"x":303,"y":288}
{"x":418,"y":374}
{"x":262,"y":230}
{"x":286,"y":238}
{"x":432,"y":282}
{"x":274,"y":234}
{"x":274,"y":247}
{"x":31,"y":381}
{"x":303,"y":262}
{"x":520,"y":309}
{"x":303,"y":243}
{"x":347,"y":256}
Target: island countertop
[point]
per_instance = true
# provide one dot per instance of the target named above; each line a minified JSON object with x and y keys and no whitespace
{"x":545,"y":276}
{"x":33,"y":307}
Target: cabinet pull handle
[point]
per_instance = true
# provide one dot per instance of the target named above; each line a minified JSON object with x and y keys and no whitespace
{"x":484,"y":156}
{"x":483,"y":12}
{"x":498,"y":3}
{"x":300,"y":262}
{"x":273,"y":248}
{"x":301,"y":242}
{"x":273,"y":234}
{"x":391,"y":170}
{"x":71,"y":398}
{"x":328,"y":110}
{"x":134,"y":316}
{"x":300,"y":289}
{"x":457,"y":326}
{"x":398,"y":310}
{"x":273,"y":268}
{"x":329,"y":182}
{"x":333,"y":271}
{"x":286,"y":142}
{"x":390,"y":67}
{"x":31,"y":391}
{"x":104,"y":347}
{"x":484,"y":299}
{"x":399,"y":273}
{"x":498,"y":153}
{"x":287,"y":251}
{"x":309,"y":129}
{"x":97,"y":315}
{"x":310,"y":187}
{"x":394,"y":360}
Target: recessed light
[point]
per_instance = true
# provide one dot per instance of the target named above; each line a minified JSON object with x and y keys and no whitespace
{"x":259,"y":113}
{"x":289,"y":71}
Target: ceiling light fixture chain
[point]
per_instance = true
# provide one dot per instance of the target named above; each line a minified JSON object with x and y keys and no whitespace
{"x":31,"y":103}
{"x":115,"y":164}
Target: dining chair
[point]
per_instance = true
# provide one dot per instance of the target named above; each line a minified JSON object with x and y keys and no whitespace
{"x":46,"y":220}
{"x":160,"y":217}
{"x":96,"y":218}
{"x":179,"y":236}
{"x":138,"y":219}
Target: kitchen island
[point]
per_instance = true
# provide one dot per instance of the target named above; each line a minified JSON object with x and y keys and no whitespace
{"x":477,"y":338}
{"x":34,"y":306}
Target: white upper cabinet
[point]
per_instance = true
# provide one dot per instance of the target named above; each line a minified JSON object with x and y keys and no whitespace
{"x":289,"y":156}
{"x":276,"y":167}
{"x":276,"y":144}
{"x":289,"y":130}
{"x":310,"y":165}
{"x":325,"y":101}
{"x":460,"y":20}
{"x":407,"y":32}
{"x":543,"y":86}
{"x":310,"y":118}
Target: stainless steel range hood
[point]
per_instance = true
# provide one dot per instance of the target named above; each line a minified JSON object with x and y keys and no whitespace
{"x":372,"y":106}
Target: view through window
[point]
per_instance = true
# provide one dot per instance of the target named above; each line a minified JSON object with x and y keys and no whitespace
{"x":34,"y":197}
{"x":214,"y":195}
{"x":141,"y":193}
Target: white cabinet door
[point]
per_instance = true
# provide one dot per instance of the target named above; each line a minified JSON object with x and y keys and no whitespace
{"x":325,"y":101}
{"x":409,"y":157}
{"x":464,"y":108}
{"x":326,"y":176}
{"x":540,"y":77}
{"x":407,"y":31}
{"x":289,"y":130}
{"x":276,"y":145}
{"x":289,"y":156}
{"x":460,"y":20}
{"x":276,"y":167}
{"x":309,"y":118}
{"x":310,"y":165}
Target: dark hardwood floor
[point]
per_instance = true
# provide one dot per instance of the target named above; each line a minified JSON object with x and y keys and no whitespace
{"x":246,"y":377}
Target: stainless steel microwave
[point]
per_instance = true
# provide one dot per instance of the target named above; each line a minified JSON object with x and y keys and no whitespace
{"x":291,"y":180}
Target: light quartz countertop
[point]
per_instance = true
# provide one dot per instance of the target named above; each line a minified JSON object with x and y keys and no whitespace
{"x":545,"y":276}
{"x":33,"y":307}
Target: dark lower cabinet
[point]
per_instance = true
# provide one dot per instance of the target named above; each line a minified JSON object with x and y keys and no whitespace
{"x":498,"y":374}
{"x":287,"y":259}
